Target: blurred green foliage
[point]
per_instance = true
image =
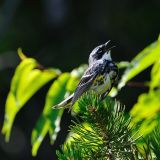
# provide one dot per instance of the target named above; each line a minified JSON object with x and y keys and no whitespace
{"x":30,"y":76}
{"x":27,"y":80}
{"x":145,"y":112}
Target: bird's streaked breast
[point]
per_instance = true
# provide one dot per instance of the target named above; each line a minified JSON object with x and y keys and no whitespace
{"x":101,"y":84}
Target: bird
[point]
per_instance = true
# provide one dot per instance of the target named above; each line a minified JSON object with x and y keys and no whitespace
{"x":100,"y":76}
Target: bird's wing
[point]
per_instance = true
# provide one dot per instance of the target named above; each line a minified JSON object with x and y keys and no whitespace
{"x":86,"y":81}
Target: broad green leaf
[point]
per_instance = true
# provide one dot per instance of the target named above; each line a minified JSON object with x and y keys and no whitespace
{"x":155,"y":76}
{"x":50,"y":118}
{"x":25,"y":66}
{"x":146,"y":112}
{"x":27,"y":80}
{"x":142,"y":61}
{"x":49,"y":121}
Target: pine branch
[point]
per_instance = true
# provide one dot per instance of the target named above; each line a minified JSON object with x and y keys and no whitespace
{"x":153,"y":145}
{"x":72,"y":152}
{"x":107,"y":135}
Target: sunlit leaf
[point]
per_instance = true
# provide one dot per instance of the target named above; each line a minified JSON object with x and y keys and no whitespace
{"x":27,"y":80}
{"x":49,"y":122}
{"x":123,"y":64}
{"x":113,"y":92}
{"x":146,"y":112}
{"x":142,"y":61}
{"x":50,"y":118}
{"x":155,"y":76}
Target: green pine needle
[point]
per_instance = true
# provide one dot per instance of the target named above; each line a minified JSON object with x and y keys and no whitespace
{"x":107,"y":134}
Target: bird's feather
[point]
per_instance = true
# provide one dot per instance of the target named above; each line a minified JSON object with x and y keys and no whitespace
{"x":86,"y":81}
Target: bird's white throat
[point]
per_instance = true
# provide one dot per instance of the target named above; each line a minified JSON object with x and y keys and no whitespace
{"x":107,"y":56}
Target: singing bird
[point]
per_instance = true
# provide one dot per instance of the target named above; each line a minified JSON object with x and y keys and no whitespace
{"x":100,"y":76}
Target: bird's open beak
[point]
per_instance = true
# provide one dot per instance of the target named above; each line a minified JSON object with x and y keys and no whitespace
{"x":106,"y":43}
{"x":107,"y":49}
{"x":106,"y":46}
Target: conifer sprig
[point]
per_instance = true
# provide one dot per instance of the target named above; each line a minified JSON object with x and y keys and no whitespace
{"x":106,"y":136}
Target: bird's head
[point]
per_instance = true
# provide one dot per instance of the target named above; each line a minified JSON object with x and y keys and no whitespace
{"x":100,"y":52}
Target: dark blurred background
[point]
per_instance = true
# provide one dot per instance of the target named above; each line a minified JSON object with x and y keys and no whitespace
{"x":61,"y":33}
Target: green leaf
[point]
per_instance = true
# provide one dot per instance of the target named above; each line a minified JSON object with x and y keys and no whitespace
{"x":27,"y":80}
{"x":145,"y":112}
{"x":142,"y":61}
{"x":155,"y":76}
{"x":50,"y":119}
{"x":123,"y":64}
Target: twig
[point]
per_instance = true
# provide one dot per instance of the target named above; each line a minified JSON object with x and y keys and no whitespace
{"x":137,"y":84}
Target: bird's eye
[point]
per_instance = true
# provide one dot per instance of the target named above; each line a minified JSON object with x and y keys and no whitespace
{"x":100,"y":53}
{"x":99,"y":50}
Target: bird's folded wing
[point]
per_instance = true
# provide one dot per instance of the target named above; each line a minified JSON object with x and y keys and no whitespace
{"x":85,"y":82}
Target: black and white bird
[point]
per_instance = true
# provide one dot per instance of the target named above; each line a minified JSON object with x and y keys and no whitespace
{"x":100,"y":76}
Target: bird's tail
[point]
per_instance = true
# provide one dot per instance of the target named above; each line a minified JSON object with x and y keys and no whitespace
{"x":66,"y":103}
